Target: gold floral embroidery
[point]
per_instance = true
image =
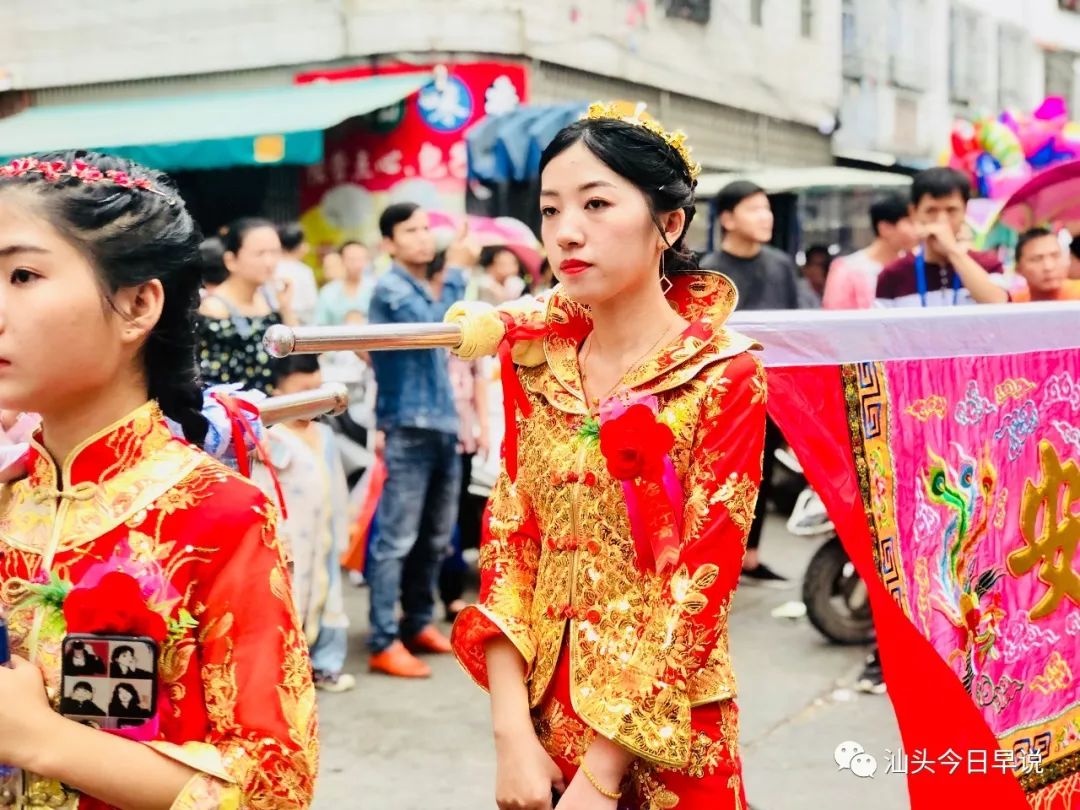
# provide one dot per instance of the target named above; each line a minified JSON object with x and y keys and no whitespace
{"x":139,"y":477}
{"x":216,"y":628}
{"x":279,"y":583}
{"x":642,"y":699}
{"x":176,"y":500}
{"x":145,"y":549}
{"x":297,"y":696}
{"x":643,"y":648}
{"x":175,"y":660}
{"x":704,"y":344}
{"x":650,"y":792}
{"x":30,"y":510}
{"x":41,"y":792}
{"x":270,"y":536}
{"x":760,"y":387}
{"x":740,"y":496}
{"x":728,"y":726}
{"x":713,"y":752}
{"x":219,"y":679}
{"x":716,"y":680}
{"x":559,"y":382}
{"x":561,"y":734}
{"x":705,"y":755}
{"x":221,"y":694}
{"x":734,"y":784}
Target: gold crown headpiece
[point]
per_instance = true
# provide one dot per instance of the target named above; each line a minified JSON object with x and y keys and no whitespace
{"x":636,"y":115}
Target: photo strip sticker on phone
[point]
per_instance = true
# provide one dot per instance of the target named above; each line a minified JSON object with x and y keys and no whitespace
{"x":109,"y":682}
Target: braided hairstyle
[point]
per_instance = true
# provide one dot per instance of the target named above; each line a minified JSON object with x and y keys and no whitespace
{"x":650,"y":163}
{"x":132,"y":234}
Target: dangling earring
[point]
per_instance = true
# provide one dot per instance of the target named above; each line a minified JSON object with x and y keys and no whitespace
{"x":665,"y":282}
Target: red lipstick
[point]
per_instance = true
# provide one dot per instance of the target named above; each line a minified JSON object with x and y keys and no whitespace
{"x":574,"y":266}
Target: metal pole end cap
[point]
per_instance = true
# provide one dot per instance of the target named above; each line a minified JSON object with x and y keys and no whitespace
{"x":279,"y":341}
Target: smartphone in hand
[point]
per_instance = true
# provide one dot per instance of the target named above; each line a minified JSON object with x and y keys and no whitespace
{"x":109,"y":681}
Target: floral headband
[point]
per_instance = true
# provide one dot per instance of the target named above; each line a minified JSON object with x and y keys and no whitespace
{"x":636,"y":115}
{"x":56,"y":170}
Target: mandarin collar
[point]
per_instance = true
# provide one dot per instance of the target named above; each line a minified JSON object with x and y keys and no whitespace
{"x":704,"y":299}
{"x":104,"y":455}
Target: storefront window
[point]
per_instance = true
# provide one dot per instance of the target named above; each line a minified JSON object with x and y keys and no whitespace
{"x":695,"y":10}
{"x":1014,"y":54}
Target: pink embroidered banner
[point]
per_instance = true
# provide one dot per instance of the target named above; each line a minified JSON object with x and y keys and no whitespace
{"x":946,"y":447}
{"x":972,"y":487}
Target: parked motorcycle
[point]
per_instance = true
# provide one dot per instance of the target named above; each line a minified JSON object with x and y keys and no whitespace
{"x":837,"y":602}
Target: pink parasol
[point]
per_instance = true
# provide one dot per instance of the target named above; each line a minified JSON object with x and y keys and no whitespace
{"x":491,"y":231}
{"x":1051,"y":197}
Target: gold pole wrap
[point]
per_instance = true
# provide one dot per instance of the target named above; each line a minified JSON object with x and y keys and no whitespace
{"x":281,"y":341}
{"x":329,"y":399}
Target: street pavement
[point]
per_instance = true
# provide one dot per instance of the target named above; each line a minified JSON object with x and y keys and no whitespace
{"x":426,"y":745}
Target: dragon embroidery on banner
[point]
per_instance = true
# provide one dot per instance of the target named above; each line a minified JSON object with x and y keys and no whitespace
{"x":963,"y":593}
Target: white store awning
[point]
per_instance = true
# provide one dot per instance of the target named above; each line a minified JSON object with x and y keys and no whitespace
{"x":779,"y":181}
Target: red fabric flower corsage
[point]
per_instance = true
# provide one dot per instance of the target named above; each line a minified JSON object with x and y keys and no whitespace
{"x":635,"y":444}
{"x":115,"y":605}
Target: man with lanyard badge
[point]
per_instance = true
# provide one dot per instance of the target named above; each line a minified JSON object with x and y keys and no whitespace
{"x":928,"y":277}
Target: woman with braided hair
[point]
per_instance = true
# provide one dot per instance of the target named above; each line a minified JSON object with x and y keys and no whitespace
{"x":617,"y":528}
{"x":118,"y":527}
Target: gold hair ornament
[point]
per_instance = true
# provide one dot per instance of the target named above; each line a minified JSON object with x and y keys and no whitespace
{"x":636,"y":115}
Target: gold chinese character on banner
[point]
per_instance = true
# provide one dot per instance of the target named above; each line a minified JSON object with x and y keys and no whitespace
{"x":1050,"y":524}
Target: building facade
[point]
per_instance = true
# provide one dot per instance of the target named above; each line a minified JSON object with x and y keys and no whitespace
{"x":1057,"y":29}
{"x":911,"y":67}
{"x":756,"y":82}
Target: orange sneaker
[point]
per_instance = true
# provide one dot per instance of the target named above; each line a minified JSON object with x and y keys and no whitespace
{"x":398,"y":662}
{"x":429,"y":640}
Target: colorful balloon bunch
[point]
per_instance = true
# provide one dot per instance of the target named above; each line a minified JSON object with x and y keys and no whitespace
{"x":1001,"y":154}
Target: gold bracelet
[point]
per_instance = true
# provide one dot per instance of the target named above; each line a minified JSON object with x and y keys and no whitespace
{"x":607,"y":794}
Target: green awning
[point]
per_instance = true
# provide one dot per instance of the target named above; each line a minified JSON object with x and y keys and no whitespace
{"x":269,"y":126}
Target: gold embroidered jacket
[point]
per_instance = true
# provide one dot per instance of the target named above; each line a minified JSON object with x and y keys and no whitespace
{"x":237,"y":702}
{"x":558,"y":560}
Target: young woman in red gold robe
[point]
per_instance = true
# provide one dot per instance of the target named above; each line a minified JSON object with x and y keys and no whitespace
{"x":118,"y":527}
{"x":618,"y":526}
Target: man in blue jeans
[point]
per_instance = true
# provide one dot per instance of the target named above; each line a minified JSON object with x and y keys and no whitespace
{"x":415,"y":410}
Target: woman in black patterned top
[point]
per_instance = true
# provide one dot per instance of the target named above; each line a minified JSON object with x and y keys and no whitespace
{"x":235,"y":316}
